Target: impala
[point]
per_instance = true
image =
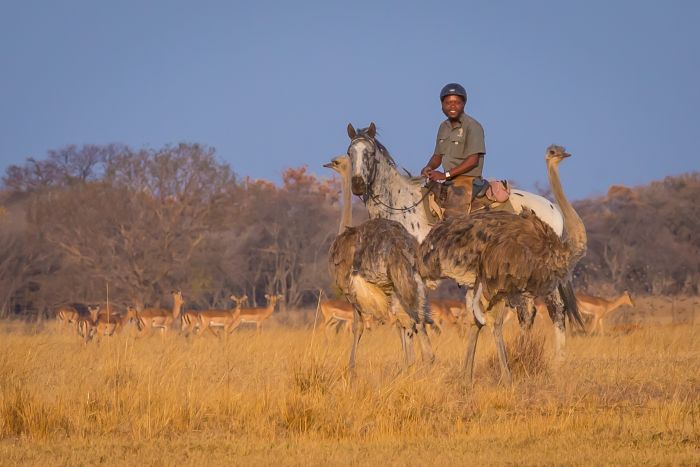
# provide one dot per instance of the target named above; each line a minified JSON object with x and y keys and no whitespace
{"x":159,"y":318}
{"x":189,"y":322}
{"x":337,"y":312}
{"x":96,"y":322}
{"x":86,"y":328}
{"x":228,"y":320}
{"x":600,"y":307}
{"x":70,"y":314}
{"x":450,"y":311}
{"x":258,"y":315}
{"x":67,"y":314}
{"x":107,"y":322}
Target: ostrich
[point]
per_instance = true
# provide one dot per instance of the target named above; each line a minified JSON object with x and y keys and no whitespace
{"x":508,"y":257}
{"x":374,"y":265}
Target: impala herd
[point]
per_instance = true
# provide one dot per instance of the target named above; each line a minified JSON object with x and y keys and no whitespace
{"x":96,"y":321}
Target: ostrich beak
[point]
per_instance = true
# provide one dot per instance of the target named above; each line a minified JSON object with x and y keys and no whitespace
{"x":566,"y":154}
{"x":338,"y":159}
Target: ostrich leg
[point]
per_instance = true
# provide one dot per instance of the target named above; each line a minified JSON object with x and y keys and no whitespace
{"x":499,"y":311}
{"x":495,"y":320}
{"x":357,"y":328}
{"x":472,"y":337}
{"x":471,"y":299}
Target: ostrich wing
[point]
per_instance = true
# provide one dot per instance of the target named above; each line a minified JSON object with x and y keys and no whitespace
{"x":386,"y":256}
{"x":523,"y":255}
{"x":453,"y":247}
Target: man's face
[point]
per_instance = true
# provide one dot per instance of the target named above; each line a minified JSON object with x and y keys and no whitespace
{"x":452,"y":107}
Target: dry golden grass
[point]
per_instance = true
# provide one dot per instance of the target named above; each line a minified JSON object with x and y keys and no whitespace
{"x":273,"y":398}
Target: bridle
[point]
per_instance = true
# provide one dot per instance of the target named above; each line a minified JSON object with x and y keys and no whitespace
{"x":369,"y":193}
{"x":373,"y":166}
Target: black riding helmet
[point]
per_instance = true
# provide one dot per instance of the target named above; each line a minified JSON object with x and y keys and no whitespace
{"x":453,"y":89}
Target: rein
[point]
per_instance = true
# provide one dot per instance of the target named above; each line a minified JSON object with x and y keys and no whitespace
{"x":376,"y":199}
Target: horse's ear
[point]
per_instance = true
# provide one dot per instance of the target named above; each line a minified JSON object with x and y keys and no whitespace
{"x":351,"y":131}
{"x":372,"y":130}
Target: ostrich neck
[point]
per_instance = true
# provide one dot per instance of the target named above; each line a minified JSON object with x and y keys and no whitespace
{"x":573,"y":225}
{"x":393,"y":189}
{"x":346,"y":215}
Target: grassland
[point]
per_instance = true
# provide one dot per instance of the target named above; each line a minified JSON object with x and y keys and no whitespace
{"x":282,"y":397}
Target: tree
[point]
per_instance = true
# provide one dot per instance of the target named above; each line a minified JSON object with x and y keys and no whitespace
{"x":143,"y":221}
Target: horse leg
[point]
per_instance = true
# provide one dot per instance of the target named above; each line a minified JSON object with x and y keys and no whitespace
{"x":555,"y":307}
{"x":427,"y":354}
{"x":410,"y":347}
{"x":420,"y":328}
{"x":525,"y":307}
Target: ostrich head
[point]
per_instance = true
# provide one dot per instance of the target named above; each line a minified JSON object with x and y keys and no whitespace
{"x":340,"y":164}
{"x":555,"y":154}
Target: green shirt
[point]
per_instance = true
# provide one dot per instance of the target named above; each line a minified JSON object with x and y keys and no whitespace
{"x":456,"y":144}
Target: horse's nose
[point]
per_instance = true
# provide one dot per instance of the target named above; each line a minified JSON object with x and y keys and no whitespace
{"x":358,"y":186}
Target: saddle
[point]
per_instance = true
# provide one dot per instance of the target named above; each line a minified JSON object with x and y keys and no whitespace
{"x":491,"y":195}
{"x":496,"y":191}
{"x":486,"y":194}
{"x":434,"y":198}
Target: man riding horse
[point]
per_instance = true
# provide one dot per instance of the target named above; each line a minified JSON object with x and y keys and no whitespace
{"x":459,"y":148}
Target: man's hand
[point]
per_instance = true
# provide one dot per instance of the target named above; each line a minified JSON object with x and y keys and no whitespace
{"x":426,"y":172}
{"x":437,"y":176}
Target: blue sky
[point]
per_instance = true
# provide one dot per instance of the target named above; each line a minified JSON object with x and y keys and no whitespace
{"x":273,"y":84}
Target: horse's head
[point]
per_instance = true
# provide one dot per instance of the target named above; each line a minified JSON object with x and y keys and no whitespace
{"x":363,"y":158}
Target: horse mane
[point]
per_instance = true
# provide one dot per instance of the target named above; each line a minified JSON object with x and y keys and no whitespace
{"x":382,"y":149}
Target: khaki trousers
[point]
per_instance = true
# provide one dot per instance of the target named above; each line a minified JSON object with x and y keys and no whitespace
{"x":459,"y":196}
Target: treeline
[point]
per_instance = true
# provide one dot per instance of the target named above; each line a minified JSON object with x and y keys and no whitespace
{"x":92,"y":219}
{"x":146,"y":222}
